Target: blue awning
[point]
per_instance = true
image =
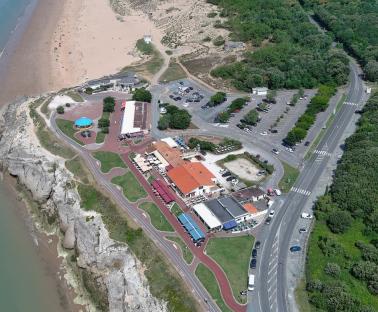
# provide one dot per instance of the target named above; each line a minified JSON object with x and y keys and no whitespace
{"x":230,"y":225}
{"x":191,"y":226}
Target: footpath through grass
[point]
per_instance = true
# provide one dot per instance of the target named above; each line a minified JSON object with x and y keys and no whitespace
{"x":158,"y":220}
{"x":208,"y":280}
{"x":164,"y":282}
{"x":290,"y":176}
{"x":130,"y":186}
{"x":109,"y":160}
{"x":186,"y":253}
{"x":67,"y":127}
{"x":233,"y":254}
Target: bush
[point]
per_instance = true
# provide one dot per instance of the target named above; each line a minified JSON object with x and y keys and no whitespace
{"x":204,"y":145}
{"x":218,"y":41}
{"x":212,"y":14}
{"x":252,"y":117}
{"x":236,"y":104}
{"x":223,"y":117}
{"x":339,"y":221}
{"x":68,"y":104}
{"x":103,"y":123}
{"x":142,"y":95}
{"x":163,"y":122}
{"x":144,"y":48}
{"x":108,"y":104}
{"x":88,"y":90}
{"x":105,"y":130}
{"x":332,"y":269}
{"x":217,"y":98}
{"x":60,"y":109}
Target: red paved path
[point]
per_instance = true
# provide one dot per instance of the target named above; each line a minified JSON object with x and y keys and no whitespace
{"x":198,"y":252}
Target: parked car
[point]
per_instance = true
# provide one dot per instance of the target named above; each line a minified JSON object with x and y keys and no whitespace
{"x":267,"y":221}
{"x":257,"y":244}
{"x":253,"y":263}
{"x":302,"y":230}
{"x":230,"y":178}
{"x":278,"y":192}
{"x":307,"y":143}
{"x":254,"y":253}
{"x":226,"y":174}
{"x":274,"y":131}
{"x":306,"y":215}
{"x":295,"y":248}
{"x":271,"y":213}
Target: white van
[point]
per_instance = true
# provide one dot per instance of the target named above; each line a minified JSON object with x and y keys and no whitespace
{"x":278,"y":192}
{"x":251,"y":282}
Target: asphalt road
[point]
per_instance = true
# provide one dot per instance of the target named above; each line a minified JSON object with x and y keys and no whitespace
{"x":271,"y":274}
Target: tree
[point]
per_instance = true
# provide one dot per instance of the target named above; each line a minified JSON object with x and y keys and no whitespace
{"x":271,"y":96}
{"x":164,"y":121}
{"x":142,"y":95}
{"x":339,"y":221}
{"x":88,"y":90}
{"x":108,"y":104}
{"x":223,"y":117}
{"x":60,"y":109}
{"x":218,"y":41}
{"x":105,"y":130}
{"x":252,"y":117}
{"x":103,"y":123}
{"x":236,"y":104}
{"x":217,"y":98}
{"x":180,"y":120}
{"x":371,"y":70}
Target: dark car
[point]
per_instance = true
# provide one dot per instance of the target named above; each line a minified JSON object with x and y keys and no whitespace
{"x":181,"y":83}
{"x":171,"y":96}
{"x":307,"y":143}
{"x":295,"y":248}
{"x":254,"y":253}
{"x":257,"y":244}
{"x":302,"y":230}
{"x":190,"y":88}
{"x":230,"y":178}
{"x":178,"y":98}
{"x":274,"y":131}
{"x":226,"y":174}
{"x":267,"y":220}
{"x":252,"y":265}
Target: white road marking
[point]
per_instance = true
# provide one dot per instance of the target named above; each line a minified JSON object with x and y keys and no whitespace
{"x":144,"y":215}
{"x":325,"y":153}
{"x":300,"y":191}
{"x":351,"y":103}
{"x":174,"y":245}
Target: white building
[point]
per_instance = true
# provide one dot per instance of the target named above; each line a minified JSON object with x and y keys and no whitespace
{"x":147,"y":39}
{"x":260,"y":91}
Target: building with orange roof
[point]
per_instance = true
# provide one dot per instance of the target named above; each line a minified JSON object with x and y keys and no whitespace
{"x":249,"y":207}
{"x":193,"y":179}
{"x":173,"y":156}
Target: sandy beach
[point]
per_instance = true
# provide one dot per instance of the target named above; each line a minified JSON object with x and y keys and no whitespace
{"x":68,"y":42}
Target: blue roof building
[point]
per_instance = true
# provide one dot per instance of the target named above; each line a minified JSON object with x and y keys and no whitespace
{"x":83,"y":122}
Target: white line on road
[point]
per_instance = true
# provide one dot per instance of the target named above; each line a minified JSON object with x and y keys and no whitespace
{"x":300,"y":191}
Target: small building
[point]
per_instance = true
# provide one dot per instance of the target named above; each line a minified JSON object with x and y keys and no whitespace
{"x":193,"y":179}
{"x":250,"y":194}
{"x":83,"y":123}
{"x":135,"y":118}
{"x":256,"y":209}
{"x":191,"y":227}
{"x":147,"y":39}
{"x":260,"y":91}
{"x":207,"y":216}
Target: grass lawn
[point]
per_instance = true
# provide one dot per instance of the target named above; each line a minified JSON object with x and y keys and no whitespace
{"x":208,"y":280}
{"x":109,"y":160}
{"x":47,"y":139}
{"x":75,"y":96}
{"x":67,"y":127}
{"x":163,"y":281}
{"x":100,"y":137}
{"x":158,"y":220}
{"x":233,"y":254}
{"x":173,"y":72}
{"x":130,"y":186}
{"x":290,"y":176}
{"x":151,"y":179}
{"x":77,"y":167}
{"x":317,"y":260}
{"x":301,"y":297}
{"x":176,"y":210}
{"x":186,"y":253}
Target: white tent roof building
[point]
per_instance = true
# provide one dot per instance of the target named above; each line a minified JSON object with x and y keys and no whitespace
{"x":207,"y":216}
{"x":171,"y":143}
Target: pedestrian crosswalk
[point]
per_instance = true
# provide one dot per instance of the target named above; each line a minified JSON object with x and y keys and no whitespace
{"x":300,"y":191}
{"x":351,"y":103}
{"x":324,"y":153}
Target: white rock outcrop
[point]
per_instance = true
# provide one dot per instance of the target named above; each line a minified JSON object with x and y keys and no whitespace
{"x":114,"y":269}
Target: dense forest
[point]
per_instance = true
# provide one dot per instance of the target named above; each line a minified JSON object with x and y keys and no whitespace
{"x":342,"y":264}
{"x":288,"y":51}
{"x":355,"y":24}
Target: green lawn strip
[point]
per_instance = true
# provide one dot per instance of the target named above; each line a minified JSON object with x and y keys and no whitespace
{"x":47,"y":139}
{"x":301,"y":297}
{"x":109,"y":160}
{"x":163,"y":281}
{"x":100,"y":137}
{"x":316,"y":260}
{"x":290,"y":176}
{"x":74,"y":95}
{"x":130,"y":186}
{"x":158,"y":220}
{"x":186,"y":253}
{"x":76,"y":166}
{"x":208,"y":280}
{"x":151,"y":179}
{"x":173,"y":72}
{"x":321,"y":133}
{"x":233,"y":254}
{"x":67,"y":127}
{"x":176,"y":210}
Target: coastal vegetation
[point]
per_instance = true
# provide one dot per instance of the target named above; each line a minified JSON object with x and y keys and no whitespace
{"x":288,"y":51}
{"x":109,"y":160}
{"x":318,"y":103}
{"x":208,"y":280}
{"x":174,"y":118}
{"x":359,"y":37}
{"x":290,"y":176}
{"x":173,"y":72}
{"x":130,"y":186}
{"x":144,"y":47}
{"x":232,"y":254}
{"x":157,"y":218}
{"x":343,"y":251}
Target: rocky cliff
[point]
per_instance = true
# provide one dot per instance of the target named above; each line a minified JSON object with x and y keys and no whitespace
{"x":107,"y":265}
